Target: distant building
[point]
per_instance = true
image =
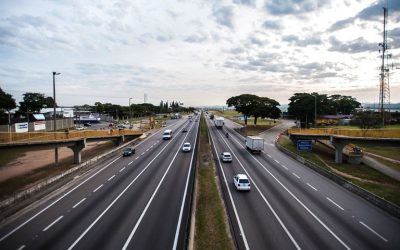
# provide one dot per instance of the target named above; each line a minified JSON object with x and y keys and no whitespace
{"x":64,"y":112}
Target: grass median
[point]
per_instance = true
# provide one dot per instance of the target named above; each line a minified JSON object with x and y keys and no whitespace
{"x":211,"y":229}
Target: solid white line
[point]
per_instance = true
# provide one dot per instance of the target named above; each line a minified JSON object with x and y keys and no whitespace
{"x":335,"y":203}
{"x":44,"y":209}
{"x":77,"y":204}
{"x":373,"y":231}
{"x":231,"y":198}
{"x":97,"y":188}
{"x":298,"y":177}
{"x":122,"y":169}
{"x":54,"y":222}
{"x":151,"y":198}
{"x":284,"y":167}
{"x":308,"y":184}
{"x":178,"y":226}
{"x":116,"y":199}
{"x":130,"y":163}
{"x":276,"y":161}
{"x":112,"y":177}
{"x":297,"y":199}
{"x":21,"y":247}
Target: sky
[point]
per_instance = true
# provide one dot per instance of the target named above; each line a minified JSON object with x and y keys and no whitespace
{"x":195,"y":52}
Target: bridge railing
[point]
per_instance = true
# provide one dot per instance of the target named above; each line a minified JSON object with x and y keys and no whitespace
{"x":374,"y":133}
{"x":6,"y":137}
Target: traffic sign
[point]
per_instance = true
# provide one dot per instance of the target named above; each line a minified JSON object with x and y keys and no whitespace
{"x":304,"y":145}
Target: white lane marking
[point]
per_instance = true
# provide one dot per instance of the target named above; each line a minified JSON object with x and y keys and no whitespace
{"x":147,"y":149}
{"x":130,"y":163}
{"x":151,"y":146}
{"x":264,"y":198}
{"x":151,"y":198}
{"x":308,"y":184}
{"x":21,"y":247}
{"x":142,"y":153}
{"x":54,"y":222}
{"x":112,"y":177}
{"x":231,"y":198}
{"x":44,"y":209}
{"x":276,"y":161}
{"x":297,"y":199}
{"x":298,"y":177}
{"x":122,"y":169}
{"x":334,"y":203}
{"x":269,"y":156}
{"x":284,"y":167}
{"x":178,"y":226}
{"x":116,"y":199}
{"x":77,"y":204}
{"x":373,"y":231}
{"x":137,"y":158}
{"x":97,"y":188}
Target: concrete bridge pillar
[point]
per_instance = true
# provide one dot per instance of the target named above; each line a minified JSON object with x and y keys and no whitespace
{"x":77,"y":148}
{"x":339,"y":145}
{"x":119,"y":140}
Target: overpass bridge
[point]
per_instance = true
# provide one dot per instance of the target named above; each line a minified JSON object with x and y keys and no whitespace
{"x":341,"y":137}
{"x":74,"y":140}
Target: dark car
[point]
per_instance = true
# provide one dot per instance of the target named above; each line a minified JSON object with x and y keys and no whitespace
{"x":87,"y":124}
{"x":184,"y":130}
{"x":128,"y":151}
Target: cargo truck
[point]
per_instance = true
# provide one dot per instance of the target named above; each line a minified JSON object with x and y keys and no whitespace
{"x":219,"y":122}
{"x":254,"y":144}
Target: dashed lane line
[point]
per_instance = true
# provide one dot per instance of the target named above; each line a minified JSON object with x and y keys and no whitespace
{"x":334,"y":203}
{"x":112,"y":177}
{"x":298,"y":177}
{"x":77,"y":204}
{"x":21,"y":247}
{"x":373,"y":231}
{"x":122,"y":169}
{"x":130,"y":163}
{"x":308,"y":184}
{"x":97,"y":188}
{"x":52,"y":224}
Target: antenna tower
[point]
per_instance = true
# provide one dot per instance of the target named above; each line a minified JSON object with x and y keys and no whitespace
{"x":384,"y":91}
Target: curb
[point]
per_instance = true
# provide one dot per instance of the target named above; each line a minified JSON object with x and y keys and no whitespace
{"x":27,"y":193}
{"x":372,"y":198}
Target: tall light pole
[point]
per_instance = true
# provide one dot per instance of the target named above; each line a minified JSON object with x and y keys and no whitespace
{"x":315,"y":111}
{"x":54,"y":116}
{"x":130,"y":111}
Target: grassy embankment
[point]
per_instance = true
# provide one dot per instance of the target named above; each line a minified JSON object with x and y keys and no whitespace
{"x":250,"y":129}
{"x":211,"y":231}
{"x":19,"y":183}
{"x":361,"y":175}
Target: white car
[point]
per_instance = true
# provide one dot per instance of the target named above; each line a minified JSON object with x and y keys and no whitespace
{"x":226,"y":157}
{"x":241,"y":182}
{"x":186,"y":147}
{"x":80,"y":128}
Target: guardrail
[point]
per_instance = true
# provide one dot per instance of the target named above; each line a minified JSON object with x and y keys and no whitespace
{"x":49,"y":136}
{"x":374,"y":133}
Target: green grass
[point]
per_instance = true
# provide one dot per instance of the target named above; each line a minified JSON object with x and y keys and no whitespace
{"x":210,"y":230}
{"x":361,"y":175}
{"x":385,"y":151}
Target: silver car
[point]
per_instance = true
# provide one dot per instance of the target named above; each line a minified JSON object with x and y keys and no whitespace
{"x":186,"y":147}
{"x":226,"y":157}
{"x":241,"y":182}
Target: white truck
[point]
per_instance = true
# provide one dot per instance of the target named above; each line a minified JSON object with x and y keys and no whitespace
{"x":219,"y":122}
{"x":255,"y":144}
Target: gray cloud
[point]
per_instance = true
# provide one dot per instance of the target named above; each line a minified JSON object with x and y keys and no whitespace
{"x":196,"y":38}
{"x":257,"y":41}
{"x":245,"y":2}
{"x":394,"y":36}
{"x":287,"y":7}
{"x":273,"y":25}
{"x":237,"y":50}
{"x":356,"y":46}
{"x":311,"y":40}
{"x":224,"y":16}
{"x":341,"y":24}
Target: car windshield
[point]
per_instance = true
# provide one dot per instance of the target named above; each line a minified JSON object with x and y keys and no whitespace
{"x":127,"y":149}
{"x":227,"y":155}
{"x":243,"y":181}
{"x":186,"y":144}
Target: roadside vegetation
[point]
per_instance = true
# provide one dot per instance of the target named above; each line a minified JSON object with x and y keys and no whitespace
{"x":211,"y":229}
{"x":360,"y":175}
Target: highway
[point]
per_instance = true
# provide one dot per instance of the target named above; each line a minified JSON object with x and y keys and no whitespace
{"x":137,"y":202}
{"x":290,"y":206}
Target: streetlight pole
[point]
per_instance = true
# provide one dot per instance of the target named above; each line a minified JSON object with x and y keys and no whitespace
{"x":54,"y":117}
{"x":130,"y":111}
{"x":315,"y":111}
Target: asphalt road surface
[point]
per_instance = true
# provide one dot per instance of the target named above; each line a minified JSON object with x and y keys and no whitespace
{"x":290,"y":206}
{"x":137,"y":202}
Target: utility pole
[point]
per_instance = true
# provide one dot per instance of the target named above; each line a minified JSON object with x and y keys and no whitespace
{"x":54,"y":117}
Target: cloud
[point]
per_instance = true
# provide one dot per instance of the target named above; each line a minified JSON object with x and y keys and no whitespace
{"x":287,"y":7}
{"x":237,"y":50}
{"x":273,"y":25}
{"x":394,"y":36}
{"x":341,"y":24}
{"x":196,"y":38}
{"x":356,"y":46}
{"x":245,"y":2}
{"x":311,"y":40}
{"x":224,"y":15}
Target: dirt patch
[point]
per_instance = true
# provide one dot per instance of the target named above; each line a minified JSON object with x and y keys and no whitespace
{"x":33,"y":160}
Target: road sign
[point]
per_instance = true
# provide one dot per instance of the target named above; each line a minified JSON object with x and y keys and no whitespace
{"x":304,"y":145}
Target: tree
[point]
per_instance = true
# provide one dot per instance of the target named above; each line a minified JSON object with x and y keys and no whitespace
{"x":6,"y":102}
{"x":344,"y":105}
{"x":34,"y":102}
{"x":367,"y":120}
{"x":244,"y":104}
{"x":265,"y":107}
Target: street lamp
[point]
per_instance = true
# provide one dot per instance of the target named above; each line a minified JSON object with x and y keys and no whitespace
{"x":315,"y":111}
{"x":54,"y":116}
{"x":130,"y":111}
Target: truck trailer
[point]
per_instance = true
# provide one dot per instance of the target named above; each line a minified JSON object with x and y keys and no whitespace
{"x":254,"y":144}
{"x":219,"y":122}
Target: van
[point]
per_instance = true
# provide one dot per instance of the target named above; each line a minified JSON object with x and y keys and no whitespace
{"x":167,"y":134}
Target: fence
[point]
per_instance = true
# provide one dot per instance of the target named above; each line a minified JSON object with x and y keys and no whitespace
{"x":374,"y":133}
{"x":61,"y":124}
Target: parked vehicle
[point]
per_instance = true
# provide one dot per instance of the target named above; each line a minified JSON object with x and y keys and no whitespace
{"x":128,"y":151}
{"x":226,"y":157}
{"x":80,"y":128}
{"x":255,"y":144}
{"x":87,"y":124}
{"x":167,"y":134}
{"x":219,"y":122}
{"x":186,"y":147}
{"x":241,"y":182}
